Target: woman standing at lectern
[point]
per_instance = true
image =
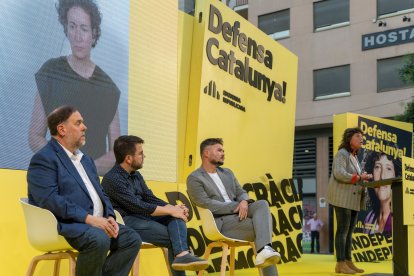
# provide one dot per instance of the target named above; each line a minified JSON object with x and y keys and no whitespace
{"x":347,"y":197}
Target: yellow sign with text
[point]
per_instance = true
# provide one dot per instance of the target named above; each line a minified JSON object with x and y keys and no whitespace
{"x":408,"y":190}
{"x":243,"y":89}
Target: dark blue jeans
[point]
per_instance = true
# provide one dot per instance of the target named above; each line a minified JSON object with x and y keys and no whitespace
{"x":346,"y":221}
{"x":163,"y":231}
{"x":93,"y":247}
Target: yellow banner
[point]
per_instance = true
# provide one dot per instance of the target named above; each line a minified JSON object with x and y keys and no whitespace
{"x":243,"y":89}
{"x":408,"y":190}
{"x":153,"y":97}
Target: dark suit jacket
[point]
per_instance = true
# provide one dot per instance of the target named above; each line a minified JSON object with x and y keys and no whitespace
{"x":55,"y":184}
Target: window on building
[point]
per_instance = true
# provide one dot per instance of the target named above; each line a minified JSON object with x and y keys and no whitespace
{"x":304,"y":158}
{"x":330,"y":13}
{"x":187,"y":6}
{"x":241,"y":7}
{"x":388,"y":77}
{"x":276,"y":24}
{"x":388,"y":7}
{"x":331,"y":82}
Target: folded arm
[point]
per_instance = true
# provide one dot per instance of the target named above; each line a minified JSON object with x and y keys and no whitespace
{"x":121,"y":192}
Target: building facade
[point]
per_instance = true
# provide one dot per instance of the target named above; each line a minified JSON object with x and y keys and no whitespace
{"x":350,"y":53}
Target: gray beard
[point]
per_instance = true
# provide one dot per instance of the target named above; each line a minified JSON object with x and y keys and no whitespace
{"x":80,"y":144}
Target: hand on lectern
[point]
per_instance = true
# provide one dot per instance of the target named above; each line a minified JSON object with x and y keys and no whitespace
{"x":366,"y":176}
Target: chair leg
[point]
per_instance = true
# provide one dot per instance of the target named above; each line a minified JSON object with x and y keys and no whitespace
{"x":165,"y":253}
{"x":32,"y":266}
{"x":255,"y":254}
{"x":232,"y":256}
{"x":56,"y":268}
{"x":72,"y":264}
{"x":206,"y":256}
{"x":224,"y":259}
{"x":135,"y":266}
{"x":57,"y":257}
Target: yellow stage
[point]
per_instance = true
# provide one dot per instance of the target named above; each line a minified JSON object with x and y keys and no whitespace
{"x":319,"y":265}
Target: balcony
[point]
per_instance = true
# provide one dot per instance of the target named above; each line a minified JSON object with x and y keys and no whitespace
{"x":239,"y":6}
{"x":241,"y":3}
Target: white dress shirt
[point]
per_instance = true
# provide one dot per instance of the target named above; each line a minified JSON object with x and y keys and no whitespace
{"x":76,"y":160}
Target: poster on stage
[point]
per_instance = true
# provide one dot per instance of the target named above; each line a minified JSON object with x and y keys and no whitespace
{"x":384,"y":147}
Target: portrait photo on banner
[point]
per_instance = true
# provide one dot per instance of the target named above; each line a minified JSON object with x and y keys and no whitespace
{"x":63,"y":52}
{"x":384,"y":146}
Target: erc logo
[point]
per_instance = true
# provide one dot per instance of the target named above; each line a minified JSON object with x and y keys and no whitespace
{"x":211,"y":90}
{"x":227,"y":98}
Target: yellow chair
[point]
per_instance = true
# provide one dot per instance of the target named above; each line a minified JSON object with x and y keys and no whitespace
{"x":42,"y":232}
{"x":219,"y":240}
{"x":144,"y":245}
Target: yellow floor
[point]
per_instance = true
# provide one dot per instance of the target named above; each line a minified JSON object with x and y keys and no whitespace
{"x":318,"y":265}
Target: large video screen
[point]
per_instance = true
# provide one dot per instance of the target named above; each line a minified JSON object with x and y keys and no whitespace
{"x":52,"y":55}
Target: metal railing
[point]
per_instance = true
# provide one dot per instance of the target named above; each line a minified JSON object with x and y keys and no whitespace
{"x":241,"y":2}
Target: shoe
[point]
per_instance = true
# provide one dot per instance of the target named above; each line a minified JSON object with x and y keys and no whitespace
{"x":351,"y":265}
{"x":268,"y":256}
{"x":341,"y":267}
{"x":189,"y":262}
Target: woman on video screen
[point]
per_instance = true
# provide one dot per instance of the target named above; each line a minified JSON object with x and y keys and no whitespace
{"x":77,"y":81}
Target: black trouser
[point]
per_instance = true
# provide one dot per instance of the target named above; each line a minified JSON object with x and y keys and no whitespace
{"x":346,"y":221}
{"x":315,"y":236}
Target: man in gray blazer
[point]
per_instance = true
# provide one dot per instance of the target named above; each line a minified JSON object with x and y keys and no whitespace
{"x":236,"y":216}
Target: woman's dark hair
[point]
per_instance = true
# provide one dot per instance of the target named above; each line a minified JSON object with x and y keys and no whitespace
{"x":89,"y":6}
{"x":369,"y":167}
{"x":375,"y":156}
{"x":346,"y":138}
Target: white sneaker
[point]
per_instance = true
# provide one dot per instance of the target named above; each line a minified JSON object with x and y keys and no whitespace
{"x":268,"y":256}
